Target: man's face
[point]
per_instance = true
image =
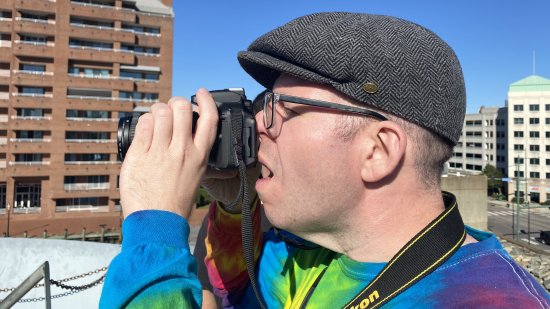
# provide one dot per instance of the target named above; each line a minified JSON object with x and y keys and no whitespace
{"x":311,"y":176}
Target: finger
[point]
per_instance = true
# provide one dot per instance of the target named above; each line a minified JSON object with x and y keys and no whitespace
{"x":143,"y":134}
{"x":207,"y":125}
{"x":183,"y":118}
{"x":162,"y":126}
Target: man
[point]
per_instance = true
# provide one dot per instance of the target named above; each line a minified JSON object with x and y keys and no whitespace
{"x":361,"y":113}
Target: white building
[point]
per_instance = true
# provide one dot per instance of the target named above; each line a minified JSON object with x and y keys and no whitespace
{"x":477,"y":146}
{"x":529,"y":137}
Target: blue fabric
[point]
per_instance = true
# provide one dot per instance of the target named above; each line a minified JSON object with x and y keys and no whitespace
{"x":155,"y":268}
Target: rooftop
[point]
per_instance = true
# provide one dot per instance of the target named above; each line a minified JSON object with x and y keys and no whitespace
{"x":531,"y":83}
{"x":153,"y":6}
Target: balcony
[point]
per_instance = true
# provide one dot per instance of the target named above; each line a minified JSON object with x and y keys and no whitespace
{"x":30,"y":168}
{"x":148,"y":40}
{"x":31,"y":122}
{"x":106,"y":12}
{"x":37,"y":49}
{"x":82,"y":208}
{"x":4,"y":77}
{"x":26,"y":210}
{"x":83,"y":124}
{"x":146,"y":18}
{"x":32,"y":100}
{"x":35,"y":26}
{"x":30,"y":145}
{"x":98,"y":103}
{"x":99,"y":81}
{"x":3,"y":147}
{"x":5,"y":25}
{"x":91,"y":31}
{"x":85,"y":186}
{"x":90,"y":145}
{"x":3,"y":122}
{"x":33,"y":78}
{"x":100,"y":54}
{"x":5,"y":50}
{"x":35,"y":5}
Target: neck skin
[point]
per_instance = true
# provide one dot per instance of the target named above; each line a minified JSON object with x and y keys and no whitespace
{"x":384,"y":219}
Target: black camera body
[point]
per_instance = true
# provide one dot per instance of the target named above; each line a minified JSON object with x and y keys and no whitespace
{"x":236,"y":138}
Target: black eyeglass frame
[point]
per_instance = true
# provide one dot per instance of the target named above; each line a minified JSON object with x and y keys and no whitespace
{"x":275,"y":97}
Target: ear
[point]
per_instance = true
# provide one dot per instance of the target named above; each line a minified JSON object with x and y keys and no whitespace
{"x":383,"y":150}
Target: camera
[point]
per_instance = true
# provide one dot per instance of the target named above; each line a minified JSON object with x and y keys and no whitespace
{"x":236,"y":135}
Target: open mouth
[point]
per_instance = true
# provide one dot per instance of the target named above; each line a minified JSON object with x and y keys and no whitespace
{"x":266,"y":172}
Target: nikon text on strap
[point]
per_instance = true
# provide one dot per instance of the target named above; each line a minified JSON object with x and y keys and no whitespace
{"x":430,"y":248}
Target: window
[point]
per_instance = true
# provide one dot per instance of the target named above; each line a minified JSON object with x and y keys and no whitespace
{"x":29,"y":134}
{"x":475,"y":133}
{"x":547,"y":107}
{"x":534,"y":134}
{"x":547,"y":133}
{"x":534,"y":161}
{"x":71,"y":113}
{"x":33,"y":67}
{"x":518,"y":133}
{"x":534,"y":120}
{"x":518,"y":160}
{"x":547,"y":120}
{"x":518,"y":120}
{"x":30,"y":112}
{"x":547,"y":161}
{"x":534,"y":147}
{"x":533,"y":107}
{"x":28,"y":157}
{"x":3,"y":195}
{"x":39,"y":40}
{"x":27,"y":194}
{"x":32,"y":90}
{"x":518,"y":108}
{"x":548,"y":177}
{"x":534,"y":175}
{"x":518,"y":174}
{"x":458,"y":154}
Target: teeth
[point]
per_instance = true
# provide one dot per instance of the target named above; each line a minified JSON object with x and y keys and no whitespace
{"x":266,"y":173}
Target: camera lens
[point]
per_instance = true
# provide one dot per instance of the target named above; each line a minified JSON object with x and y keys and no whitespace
{"x":126,"y":130}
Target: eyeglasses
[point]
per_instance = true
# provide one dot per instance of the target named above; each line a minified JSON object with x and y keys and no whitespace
{"x":271,"y":99}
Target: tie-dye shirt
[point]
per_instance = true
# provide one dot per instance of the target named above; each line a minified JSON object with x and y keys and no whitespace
{"x":478,"y":275}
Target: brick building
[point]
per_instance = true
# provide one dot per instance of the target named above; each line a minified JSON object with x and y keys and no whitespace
{"x":69,"y":69}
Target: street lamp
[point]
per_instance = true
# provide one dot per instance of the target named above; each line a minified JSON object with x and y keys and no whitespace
{"x":8,"y":225}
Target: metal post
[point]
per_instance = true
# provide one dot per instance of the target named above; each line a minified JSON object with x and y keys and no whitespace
{"x":43,"y":272}
{"x":8,"y":225}
{"x":529,"y":224}
{"x":516,"y":232}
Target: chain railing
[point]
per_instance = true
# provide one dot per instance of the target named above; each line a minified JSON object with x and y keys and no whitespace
{"x":43,"y":272}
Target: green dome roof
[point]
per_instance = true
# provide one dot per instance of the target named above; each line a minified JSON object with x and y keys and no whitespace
{"x":531,"y":83}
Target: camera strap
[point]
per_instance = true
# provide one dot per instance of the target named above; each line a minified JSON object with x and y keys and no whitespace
{"x":247,"y":227}
{"x":427,"y":250}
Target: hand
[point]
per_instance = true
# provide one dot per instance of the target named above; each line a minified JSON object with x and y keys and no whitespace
{"x":165,"y":162}
{"x":224,"y":186}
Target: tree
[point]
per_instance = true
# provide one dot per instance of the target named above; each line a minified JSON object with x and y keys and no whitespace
{"x":494,"y":179}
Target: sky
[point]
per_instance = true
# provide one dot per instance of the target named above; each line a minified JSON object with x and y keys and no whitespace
{"x":498,"y":42}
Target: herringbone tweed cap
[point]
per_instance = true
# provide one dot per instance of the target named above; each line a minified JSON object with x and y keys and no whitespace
{"x":385,"y":62}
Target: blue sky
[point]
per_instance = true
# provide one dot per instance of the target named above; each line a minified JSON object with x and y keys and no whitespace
{"x":494,"y":39}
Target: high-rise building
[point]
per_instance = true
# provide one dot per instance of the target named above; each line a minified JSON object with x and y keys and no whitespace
{"x":480,"y":143}
{"x":529,"y":137}
{"x":69,"y":69}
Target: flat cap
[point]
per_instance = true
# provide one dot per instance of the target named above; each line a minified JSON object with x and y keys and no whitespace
{"x":388,"y":63}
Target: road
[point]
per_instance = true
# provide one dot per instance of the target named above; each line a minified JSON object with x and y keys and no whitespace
{"x":501,"y":220}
